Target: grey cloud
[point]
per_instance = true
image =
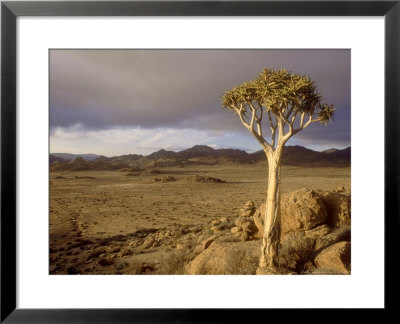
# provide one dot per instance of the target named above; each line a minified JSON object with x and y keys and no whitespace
{"x":102,"y":89}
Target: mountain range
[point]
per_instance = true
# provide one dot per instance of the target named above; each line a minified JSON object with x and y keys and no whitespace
{"x":199,"y":155}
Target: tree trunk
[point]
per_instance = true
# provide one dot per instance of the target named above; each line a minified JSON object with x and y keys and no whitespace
{"x":272,"y":221}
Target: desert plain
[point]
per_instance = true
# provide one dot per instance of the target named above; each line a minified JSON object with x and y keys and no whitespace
{"x":157,"y":221}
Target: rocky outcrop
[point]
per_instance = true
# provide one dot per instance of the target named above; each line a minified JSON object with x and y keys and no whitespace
{"x":315,"y":237}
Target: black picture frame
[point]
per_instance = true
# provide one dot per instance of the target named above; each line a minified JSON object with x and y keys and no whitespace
{"x":10,"y":10}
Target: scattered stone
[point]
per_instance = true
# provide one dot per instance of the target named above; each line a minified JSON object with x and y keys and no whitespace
{"x":126,"y":252}
{"x":239,"y":222}
{"x":244,"y":236}
{"x":249,"y":227}
{"x":168,"y":179}
{"x":201,"y":179}
{"x":148,"y":242}
{"x":235,"y":230}
{"x":247,"y":210}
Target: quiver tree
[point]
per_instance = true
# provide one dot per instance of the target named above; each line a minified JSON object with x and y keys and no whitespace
{"x":280,"y":104}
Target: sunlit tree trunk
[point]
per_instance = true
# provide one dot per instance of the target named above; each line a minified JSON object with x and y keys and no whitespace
{"x":272,"y":219}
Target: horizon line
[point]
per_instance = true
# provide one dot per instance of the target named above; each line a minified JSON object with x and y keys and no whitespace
{"x":240,"y":149}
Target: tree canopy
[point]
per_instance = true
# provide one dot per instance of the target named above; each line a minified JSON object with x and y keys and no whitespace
{"x":284,"y":96}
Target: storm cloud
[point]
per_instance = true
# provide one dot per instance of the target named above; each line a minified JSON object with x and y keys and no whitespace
{"x":104,"y":90}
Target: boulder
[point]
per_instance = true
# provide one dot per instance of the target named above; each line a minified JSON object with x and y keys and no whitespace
{"x":338,"y":207}
{"x":300,"y":210}
{"x":227,"y":258}
{"x":335,"y":259}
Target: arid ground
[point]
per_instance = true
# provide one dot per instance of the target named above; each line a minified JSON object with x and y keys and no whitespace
{"x":116,"y":222}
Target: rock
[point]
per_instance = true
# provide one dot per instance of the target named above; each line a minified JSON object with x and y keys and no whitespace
{"x":181,"y":246}
{"x":227,"y":258}
{"x":235,"y":230}
{"x":300,"y":210}
{"x":340,"y":234}
{"x":148,"y":242}
{"x":218,"y":228}
{"x":245,"y":213}
{"x":335,"y":258}
{"x":249,"y":227}
{"x":249,"y":205}
{"x":204,"y":245}
{"x":245,"y":236}
{"x":338,"y":207}
{"x":318,"y":232}
{"x":201,"y":179}
{"x":240,"y":221}
{"x":247,"y":210}
{"x":168,"y":179}
{"x":258,"y":217}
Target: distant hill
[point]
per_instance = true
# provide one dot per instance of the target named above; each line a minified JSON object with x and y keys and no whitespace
{"x":332,"y":150}
{"x":70,"y":157}
{"x":197,"y":155}
{"x":53,"y":158}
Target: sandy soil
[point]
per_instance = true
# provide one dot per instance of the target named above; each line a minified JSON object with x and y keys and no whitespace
{"x":99,"y":220}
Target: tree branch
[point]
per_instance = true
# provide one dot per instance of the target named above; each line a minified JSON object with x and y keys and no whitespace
{"x":273,"y":129}
{"x":310,"y":120}
{"x":264,"y":143}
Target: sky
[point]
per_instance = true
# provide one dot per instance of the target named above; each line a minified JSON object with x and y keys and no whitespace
{"x":115,"y":102}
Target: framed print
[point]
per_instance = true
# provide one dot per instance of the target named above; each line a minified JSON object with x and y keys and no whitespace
{"x":161,"y":159}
